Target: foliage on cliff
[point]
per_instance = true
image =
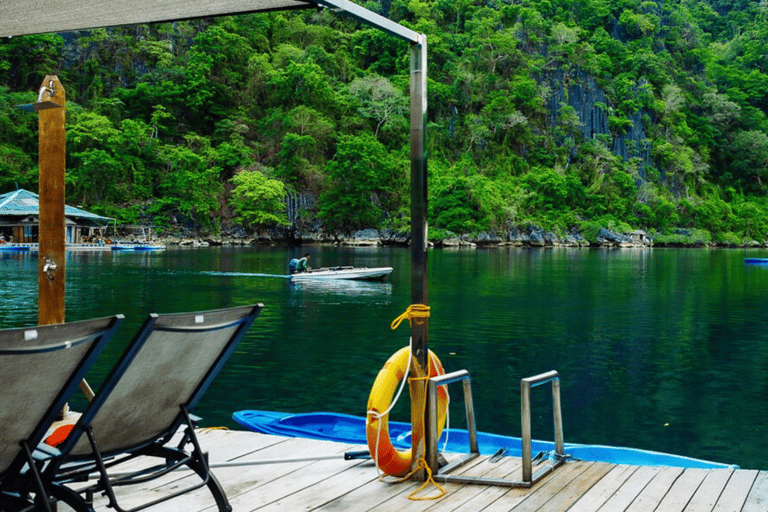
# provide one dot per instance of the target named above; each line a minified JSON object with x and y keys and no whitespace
{"x":562,"y":113}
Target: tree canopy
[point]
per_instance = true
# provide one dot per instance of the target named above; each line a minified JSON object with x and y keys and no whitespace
{"x":549,"y":112}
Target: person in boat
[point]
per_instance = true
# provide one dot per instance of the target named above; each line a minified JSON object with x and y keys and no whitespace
{"x":299,"y":265}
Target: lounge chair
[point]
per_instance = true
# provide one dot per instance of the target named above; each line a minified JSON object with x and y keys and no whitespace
{"x":41,"y":369}
{"x":141,"y":405}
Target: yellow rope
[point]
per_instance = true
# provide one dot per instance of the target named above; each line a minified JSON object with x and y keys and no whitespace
{"x":422,"y":463}
{"x":414,"y":311}
{"x":417,"y":312}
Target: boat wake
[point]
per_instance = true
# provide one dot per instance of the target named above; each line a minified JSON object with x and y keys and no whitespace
{"x":245,"y":274}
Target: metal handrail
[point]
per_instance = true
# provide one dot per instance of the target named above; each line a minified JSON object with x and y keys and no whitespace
{"x":525,"y":417}
{"x":441,"y":474}
{"x":474,"y":451}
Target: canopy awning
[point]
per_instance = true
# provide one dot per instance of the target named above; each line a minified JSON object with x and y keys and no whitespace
{"x":20,"y":17}
{"x":23,"y":17}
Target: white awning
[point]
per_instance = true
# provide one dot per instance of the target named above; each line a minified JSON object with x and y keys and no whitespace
{"x":22,"y":17}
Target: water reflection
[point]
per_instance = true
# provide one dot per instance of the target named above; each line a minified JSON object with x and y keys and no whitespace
{"x":652,"y":346}
{"x":319,"y":288}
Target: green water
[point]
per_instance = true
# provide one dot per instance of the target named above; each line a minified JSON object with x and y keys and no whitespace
{"x":658,"y":349}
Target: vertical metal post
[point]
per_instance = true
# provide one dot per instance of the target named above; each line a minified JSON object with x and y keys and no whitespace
{"x":469,"y":408}
{"x":419,"y":295}
{"x":525,"y":420}
{"x":558,"y":417}
{"x":51,"y":257}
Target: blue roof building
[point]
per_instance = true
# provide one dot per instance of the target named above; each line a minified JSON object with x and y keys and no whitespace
{"x":19,"y":219}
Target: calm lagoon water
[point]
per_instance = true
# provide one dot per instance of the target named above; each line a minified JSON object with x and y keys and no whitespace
{"x":660,"y":349}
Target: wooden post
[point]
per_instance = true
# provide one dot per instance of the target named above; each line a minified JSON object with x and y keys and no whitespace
{"x":419,"y":295}
{"x":51,"y":257}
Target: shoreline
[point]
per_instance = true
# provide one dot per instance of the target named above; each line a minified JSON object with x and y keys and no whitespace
{"x":483,"y":240}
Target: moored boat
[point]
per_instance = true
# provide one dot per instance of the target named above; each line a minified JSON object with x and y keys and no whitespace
{"x":359,"y":273}
{"x":350,"y":429}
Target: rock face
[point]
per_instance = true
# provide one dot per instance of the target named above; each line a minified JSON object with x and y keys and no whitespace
{"x":581,"y":92}
{"x":530,"y":236}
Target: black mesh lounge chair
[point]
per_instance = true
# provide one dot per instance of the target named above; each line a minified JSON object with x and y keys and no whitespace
{"x":40,"y":369}
{"x":141,"y":405}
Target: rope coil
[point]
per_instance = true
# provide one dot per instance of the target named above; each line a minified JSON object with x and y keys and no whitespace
{"x":413,"y":312}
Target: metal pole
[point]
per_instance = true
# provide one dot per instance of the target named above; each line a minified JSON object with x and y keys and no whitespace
{"x":51,"y":259}
{"x":419,"y":329}
{"x":558,"y":417}
{"x":525,"y":421}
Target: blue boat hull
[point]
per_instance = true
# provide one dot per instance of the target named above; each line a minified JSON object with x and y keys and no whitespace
{"x":350,"y":429}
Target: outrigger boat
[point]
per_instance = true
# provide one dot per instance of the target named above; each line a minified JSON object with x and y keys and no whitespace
{"x":345,"y":428}
{"x":358,"y":273}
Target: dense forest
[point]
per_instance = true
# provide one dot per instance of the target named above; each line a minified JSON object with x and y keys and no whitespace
{"x":564,"y":114}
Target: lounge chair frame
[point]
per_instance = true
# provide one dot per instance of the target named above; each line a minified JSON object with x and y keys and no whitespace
{"x":93,"y":457}
{"x":21,"y":477}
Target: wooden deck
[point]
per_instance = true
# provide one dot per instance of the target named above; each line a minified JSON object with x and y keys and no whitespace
{"x":335,"y":485}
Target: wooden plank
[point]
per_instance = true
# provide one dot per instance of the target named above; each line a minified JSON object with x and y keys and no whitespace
{"x":458,"y":494}
{"x":315,"y":488}
{"x":569,"y":495}
{"x":709,"y":491}
{"x":653,"y":493}
{"x":535,"y":498}
{"x":259,"y":486}
{"x":601,"y":492}
{"x":757,"y":500}
{"x":384,"y":492}
{"x":234,"y":480}
{"x":377,"y":494}
{"x":381,"y":496}
{"x":491,"y":494}
{"x":735,"y":493}
{"x":683,"y":490}
{"x":221,"y":447}
{"x":630,"y":489}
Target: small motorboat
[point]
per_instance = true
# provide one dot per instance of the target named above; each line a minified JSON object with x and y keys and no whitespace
{"x":345,"y":428}
{"x":358,"y":273}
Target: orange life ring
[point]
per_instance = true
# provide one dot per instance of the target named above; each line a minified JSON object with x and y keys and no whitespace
{"x":390,"y":460}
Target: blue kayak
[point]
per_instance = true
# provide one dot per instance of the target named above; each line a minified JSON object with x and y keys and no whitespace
{"x":345,"y":428}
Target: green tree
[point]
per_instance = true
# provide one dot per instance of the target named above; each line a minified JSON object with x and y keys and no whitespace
{"x":363,"y":183}
{"x":258,"y":200}
{"x":380,"y":101}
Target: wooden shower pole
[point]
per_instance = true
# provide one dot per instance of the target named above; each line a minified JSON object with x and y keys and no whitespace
{"x":50,"y":107}
{"x":51,"y":259}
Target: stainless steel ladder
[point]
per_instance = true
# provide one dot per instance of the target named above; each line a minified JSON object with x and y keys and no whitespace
{"x":529,"y":479}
